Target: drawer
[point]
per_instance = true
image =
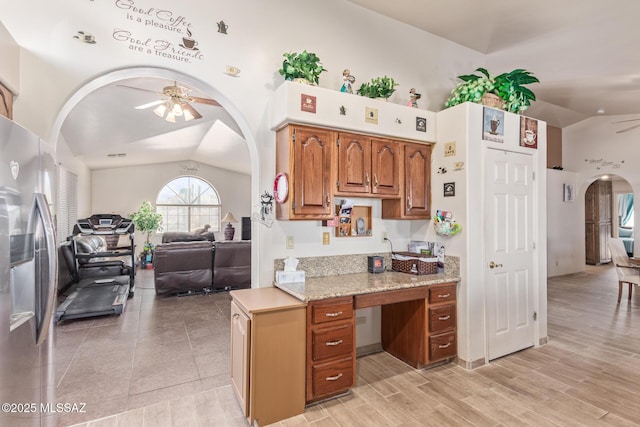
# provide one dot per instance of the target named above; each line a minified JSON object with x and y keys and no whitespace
{"x":442,"y":293}
{"x":333,"y":342}
{"x":333,"y":377}
{"x":442,"y":346}
{"x":332,"y":310}
{"x":442,"y":318}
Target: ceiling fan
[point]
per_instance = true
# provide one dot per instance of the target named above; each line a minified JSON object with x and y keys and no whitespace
{"x":176,"y":105}
{"x":629,"y":128}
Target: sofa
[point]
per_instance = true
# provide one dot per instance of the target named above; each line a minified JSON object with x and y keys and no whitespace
{"x":201,"y":266}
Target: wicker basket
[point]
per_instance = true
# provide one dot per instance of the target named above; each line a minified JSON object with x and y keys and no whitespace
{"x":414,"y":263}
{"x":493,"y":101}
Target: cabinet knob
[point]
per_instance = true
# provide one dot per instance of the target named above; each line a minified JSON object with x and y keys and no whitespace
{"x":328,"y":203}
{"x":332,"y":343}
{"x":409,"y":204}
{"x":447,"y":345}
{"x":375,"y":180}
{"x":333,"y":314}
{"x":367,"y":181}
{"x":444,"y":317}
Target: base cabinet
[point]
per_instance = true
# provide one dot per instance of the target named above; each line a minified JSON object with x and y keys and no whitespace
{"x":268,"y":354}
{"x":331,"y":352}
{"x":432,"y":318}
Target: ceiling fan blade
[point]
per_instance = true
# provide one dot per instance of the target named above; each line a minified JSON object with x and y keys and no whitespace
{"x":628,"y":129}
{"x":139,"y":88}
{"x":186,"y":106}
{"x":207,"y":101}
{"x":149,"y":104}
{"x":625,"y":121}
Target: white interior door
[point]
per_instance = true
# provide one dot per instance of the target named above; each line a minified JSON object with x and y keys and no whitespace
{"x":509,"y":252}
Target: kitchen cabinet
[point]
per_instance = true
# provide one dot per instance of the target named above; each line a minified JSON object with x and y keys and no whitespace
{"x":367,"y":166}
{"x":331,"y":352}
{"x":415,"y":200}
{"x":268,"y":354}
{"x":422,"y":332}
{"x":304,"y":154}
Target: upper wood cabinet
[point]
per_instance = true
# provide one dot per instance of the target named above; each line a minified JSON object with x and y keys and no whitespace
{"x":367,"y":166}
{"x":415,"y":200}
{"x":305,"y":154}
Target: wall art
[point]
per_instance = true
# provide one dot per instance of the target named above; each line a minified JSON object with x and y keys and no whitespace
{"x":528,"y":132}
{"x":308,"y":103}
{"x":449,"y":189}
{"x":568,"y":194}
{"x":371,"y":115}
{"x":492,"y":124}
{"x":421,"y":124}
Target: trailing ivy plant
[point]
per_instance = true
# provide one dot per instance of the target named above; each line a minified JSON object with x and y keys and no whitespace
{"x":508,"y":86}
{"x":378,"y":87}
{"x":305,"y":65}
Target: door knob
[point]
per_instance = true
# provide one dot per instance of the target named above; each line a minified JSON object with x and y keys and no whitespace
{"x":494,"y":265}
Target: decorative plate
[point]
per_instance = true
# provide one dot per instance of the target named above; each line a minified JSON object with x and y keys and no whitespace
{"x":281,"y":187}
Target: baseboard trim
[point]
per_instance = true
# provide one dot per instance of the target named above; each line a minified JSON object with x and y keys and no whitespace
{"x":544,"y":340}
{"x":471,"y":365}
{"x":369,"y":349}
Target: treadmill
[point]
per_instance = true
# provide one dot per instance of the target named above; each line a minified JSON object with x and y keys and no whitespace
{"x":99,"y":295}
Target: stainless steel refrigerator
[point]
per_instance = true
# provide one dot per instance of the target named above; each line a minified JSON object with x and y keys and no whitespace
{"x":28,"y":278}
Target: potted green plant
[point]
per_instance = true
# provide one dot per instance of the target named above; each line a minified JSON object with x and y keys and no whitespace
{"x":147,"y":220}
{"x":378,"y":87}
{"x":305,"y":65}
{"x":509,"y":87}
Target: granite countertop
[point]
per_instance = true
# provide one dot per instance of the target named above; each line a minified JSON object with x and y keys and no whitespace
{"x":317,"y":288}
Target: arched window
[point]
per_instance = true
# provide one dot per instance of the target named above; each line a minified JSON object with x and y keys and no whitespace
{"x":188,"y":203}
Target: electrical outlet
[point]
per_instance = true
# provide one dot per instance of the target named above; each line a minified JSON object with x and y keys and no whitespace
{"x":384,"y":236}
{"x":361,"y":320}
{"x":289,"y":242}
{"x":325,"y":238}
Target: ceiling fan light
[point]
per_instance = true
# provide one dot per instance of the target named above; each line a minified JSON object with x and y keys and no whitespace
{"x":160,"y":110}
{"x":188,"y":116}
{"x":171,"y":117}
{"x":177,"y":109}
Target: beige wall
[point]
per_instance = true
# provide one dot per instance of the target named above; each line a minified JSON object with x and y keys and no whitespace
{"x":554,"y":146}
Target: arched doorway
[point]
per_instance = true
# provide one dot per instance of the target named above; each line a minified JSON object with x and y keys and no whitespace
{"x":239,"y":123}
{"x":608,"y":213}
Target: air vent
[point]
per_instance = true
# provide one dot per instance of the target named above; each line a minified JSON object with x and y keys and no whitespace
{"x":117,"y":155}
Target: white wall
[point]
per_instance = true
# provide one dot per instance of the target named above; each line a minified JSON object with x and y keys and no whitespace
{"x":592,"y":148}
{"x":565,"y":238}
{"x":122,"y":190}
{"x":10,"y":64}
{"x":344,"y":35}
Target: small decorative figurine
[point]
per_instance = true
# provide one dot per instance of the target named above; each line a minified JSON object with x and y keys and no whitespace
{"x":348,"y":81}
{"x":413,"y":101}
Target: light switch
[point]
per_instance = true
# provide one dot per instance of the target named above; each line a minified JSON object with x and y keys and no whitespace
{"x":289,"y":242}
{"x":325,"y":238}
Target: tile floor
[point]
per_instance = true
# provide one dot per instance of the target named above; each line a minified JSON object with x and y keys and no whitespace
{"x":160,"y":348}
{"x":586,"y":376}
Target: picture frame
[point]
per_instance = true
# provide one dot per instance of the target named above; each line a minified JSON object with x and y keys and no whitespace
{"x":528,"y":132}
{"x":492,"y":125}
{"x":568,"y":193}
{"x":449,"y":189}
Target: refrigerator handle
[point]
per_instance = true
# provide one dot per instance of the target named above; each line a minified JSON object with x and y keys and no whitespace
{"x":42,"y":208}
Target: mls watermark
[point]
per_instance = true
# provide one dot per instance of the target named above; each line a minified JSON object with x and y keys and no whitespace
{"x":44,"y":408}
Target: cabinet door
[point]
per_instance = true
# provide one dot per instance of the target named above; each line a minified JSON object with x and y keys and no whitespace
{"x":417,"y":175}
{"x":240,"y":323}
{"x":385,"y":165}
{"x":354,"y":163}
{"x":312,"y":172}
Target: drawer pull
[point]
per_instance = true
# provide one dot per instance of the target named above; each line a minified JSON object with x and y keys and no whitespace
{"x":447,"y":317}
{"x":333,"y":342}
{"x":333,"y":314}
{"x":336,"y":378}
{"x":447,"y":345}
{"x":444,"y":295}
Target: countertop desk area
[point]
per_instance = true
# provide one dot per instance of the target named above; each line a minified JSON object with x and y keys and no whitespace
{"x":418,"y":323}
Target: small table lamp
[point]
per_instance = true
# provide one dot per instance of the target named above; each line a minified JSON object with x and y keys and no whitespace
{"x":229,"y":230}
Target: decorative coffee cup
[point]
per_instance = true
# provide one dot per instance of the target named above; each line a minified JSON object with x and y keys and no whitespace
{"x":233,"y":71}
{"x":189,"y":43}
{"x":494,"y":125}
{"x":529,"y":136}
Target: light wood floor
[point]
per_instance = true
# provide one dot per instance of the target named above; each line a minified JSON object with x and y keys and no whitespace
{"x":587,"y":375}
